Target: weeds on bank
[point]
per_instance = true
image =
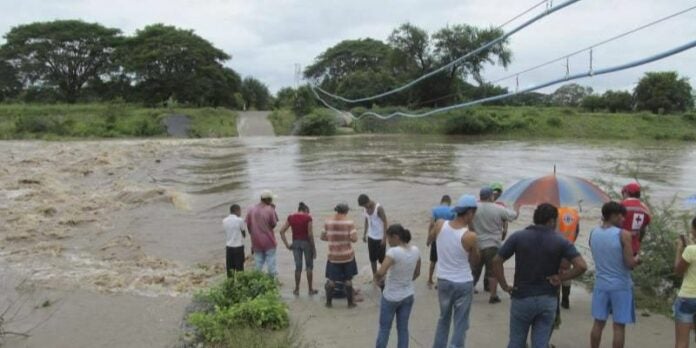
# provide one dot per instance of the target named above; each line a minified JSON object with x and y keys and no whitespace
{"x":244,"y":310}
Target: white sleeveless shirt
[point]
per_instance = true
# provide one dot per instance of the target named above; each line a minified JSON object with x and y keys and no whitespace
{"x":375,"y":225}
{"x":452,"y":259}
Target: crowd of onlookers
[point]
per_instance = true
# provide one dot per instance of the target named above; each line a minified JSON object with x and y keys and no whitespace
{"x":465,"y":237}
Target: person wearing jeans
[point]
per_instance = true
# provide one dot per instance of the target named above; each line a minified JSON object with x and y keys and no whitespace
{"x":538,"y":251}
{"x":261,"y":219}
{"x":685,"y":304}
{"x":302,"y":245}
{"x":457,"y":252}
{"x":401,"y":267}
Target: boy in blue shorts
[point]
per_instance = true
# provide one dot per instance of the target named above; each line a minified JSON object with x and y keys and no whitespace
{"x":613,"y":291}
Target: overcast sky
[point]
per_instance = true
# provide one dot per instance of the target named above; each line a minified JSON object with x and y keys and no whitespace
{"x":267,"y":37}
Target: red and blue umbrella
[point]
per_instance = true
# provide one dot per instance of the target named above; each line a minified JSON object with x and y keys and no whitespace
{"x":559,"y":190}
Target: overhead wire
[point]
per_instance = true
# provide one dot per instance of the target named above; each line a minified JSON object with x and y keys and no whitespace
{"x":595,"y":45}
{"x":590,"y":73}
{"x":486,"y":46}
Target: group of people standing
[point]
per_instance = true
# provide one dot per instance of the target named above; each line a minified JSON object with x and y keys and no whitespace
{"x":466,"y":237}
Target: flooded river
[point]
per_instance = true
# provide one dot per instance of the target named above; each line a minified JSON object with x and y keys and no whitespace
{"x":141,"y":218}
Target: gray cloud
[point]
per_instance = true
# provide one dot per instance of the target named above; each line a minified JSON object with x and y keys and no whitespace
{"x":266,"y":38}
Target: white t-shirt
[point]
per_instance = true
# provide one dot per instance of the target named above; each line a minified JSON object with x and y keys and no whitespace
{"x":399,"y":280}
{"x":234,"y":225}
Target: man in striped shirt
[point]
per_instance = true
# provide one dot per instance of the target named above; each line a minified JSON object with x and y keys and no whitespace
{"x":340,"y":232}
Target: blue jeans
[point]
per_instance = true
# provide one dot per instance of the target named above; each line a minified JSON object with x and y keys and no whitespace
{"x":266,"y":257}
{"x":387,"y":311}
{"x":302,"y":248}
{"x":537,"y":312}
{"x":455,"y":302}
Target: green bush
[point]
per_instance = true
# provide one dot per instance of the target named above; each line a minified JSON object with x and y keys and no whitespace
{"x":319,"y":122}
{"x":266,"y":311}
{"x":691,"y":117}
{"x":471,"y":123}
{"x":688,"y":137}
{"x":283,"y":121}
{"x":241,"y":287}
{"x":245,"y":300}
{"x":554,"y":121}
{"x":35,"y":124}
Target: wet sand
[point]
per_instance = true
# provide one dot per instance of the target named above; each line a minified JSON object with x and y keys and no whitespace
{"x":121,"y":233}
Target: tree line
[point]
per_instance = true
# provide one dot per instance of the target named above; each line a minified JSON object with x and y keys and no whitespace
{"x":363,"y":67}
{"x":74,"y":61}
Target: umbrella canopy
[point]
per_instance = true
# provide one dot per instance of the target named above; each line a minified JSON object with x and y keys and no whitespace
{"x":559,"y":190}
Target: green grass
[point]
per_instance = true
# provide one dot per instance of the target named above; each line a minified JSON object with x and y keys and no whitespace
{"x":536,"y":122}
{"x":107,"y":120}
{"x":283,"y":121}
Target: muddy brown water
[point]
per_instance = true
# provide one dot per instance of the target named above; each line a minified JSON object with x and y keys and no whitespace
{"x":136,"y":223}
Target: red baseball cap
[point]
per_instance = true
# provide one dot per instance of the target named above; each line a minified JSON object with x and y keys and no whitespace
{"x":632,"y":188}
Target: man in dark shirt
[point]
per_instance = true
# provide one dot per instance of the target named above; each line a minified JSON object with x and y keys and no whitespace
{"x":538,"y":251}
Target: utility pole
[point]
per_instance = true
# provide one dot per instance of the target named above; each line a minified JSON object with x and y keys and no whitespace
{"x":298,"y":75}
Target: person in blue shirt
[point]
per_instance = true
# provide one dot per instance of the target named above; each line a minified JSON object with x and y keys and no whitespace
{"x":441,"y":212}
{"x":538,"y":251}
{"x":612,"y":252}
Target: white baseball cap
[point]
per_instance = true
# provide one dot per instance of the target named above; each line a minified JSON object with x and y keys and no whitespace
{"x":267,"y":194}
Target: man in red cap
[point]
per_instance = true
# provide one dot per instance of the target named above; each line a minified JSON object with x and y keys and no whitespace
{"x":637,"y":214}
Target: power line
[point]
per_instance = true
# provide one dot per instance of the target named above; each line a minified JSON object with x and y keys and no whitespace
{"x":549,"y":11}
{"x":594,"y":45}
{"x":590,"y":73}
{"x":523,"y":13}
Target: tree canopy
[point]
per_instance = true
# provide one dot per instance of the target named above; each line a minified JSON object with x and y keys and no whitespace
{"x":357,"y":68}
{"x":71,"y":60}
{"x":63,"y":54}
{"x":663,"y":92}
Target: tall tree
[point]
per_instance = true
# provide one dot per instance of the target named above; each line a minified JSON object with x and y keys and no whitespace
{"x":455,"y":41}
{"x":663,"y":91}
{"x":10,"y":85}
{"x":256,"y":94}
{"x":169,"y":62}
{"x":63,"y":54}
{"x":346,"y":58}
{"x":411,"y":46}
{"x":570,"y":94}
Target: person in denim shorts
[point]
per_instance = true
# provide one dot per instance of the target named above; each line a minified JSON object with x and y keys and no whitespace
{"x":685,"y":304}
{"x":302,"y":245}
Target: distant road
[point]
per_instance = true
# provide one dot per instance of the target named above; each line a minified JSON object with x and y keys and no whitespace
{"x":254,"y":124}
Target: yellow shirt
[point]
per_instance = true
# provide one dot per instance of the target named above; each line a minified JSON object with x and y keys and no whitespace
{"x":688,"y":288}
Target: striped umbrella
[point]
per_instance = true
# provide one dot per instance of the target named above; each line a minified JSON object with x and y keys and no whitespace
{"x":559,"y":190}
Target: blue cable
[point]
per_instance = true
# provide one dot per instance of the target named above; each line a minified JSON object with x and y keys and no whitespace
{"x":452,"y":63}
{"x":633,"y":64}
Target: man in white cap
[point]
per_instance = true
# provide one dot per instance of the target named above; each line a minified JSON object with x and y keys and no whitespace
{"x":261,"y":219}
{"x":457,"y":253}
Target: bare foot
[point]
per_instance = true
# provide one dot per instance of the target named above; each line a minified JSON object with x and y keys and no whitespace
{"x":313,"y":292}
{"x":430,"y":284}
{"x":296,"y":292}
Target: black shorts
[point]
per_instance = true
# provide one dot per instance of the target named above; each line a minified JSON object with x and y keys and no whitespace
{"x":376,"y":250}
{"x":433,"y":252}
{"x":235,"y":259}
{"x":341,"y":272}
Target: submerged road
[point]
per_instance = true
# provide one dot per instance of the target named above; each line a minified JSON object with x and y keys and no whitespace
{"x":254,"y":124}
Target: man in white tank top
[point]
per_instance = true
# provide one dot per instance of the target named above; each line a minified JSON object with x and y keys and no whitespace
{"x":457,"y":253}
{"x":375,"y":225}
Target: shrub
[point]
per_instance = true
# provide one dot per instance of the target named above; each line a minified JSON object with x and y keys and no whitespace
{"x":283,"y":121}
{"x":245,"y":300}
{"x":241,"y":287}
{"x":688,"y":137}
{"x":568,"y":111}
{"x":471,"y":123}
{"x":34,"y":124}
{"x":319,"y":122}
{"x":689,"y":117}
{"x":554,"y":121}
